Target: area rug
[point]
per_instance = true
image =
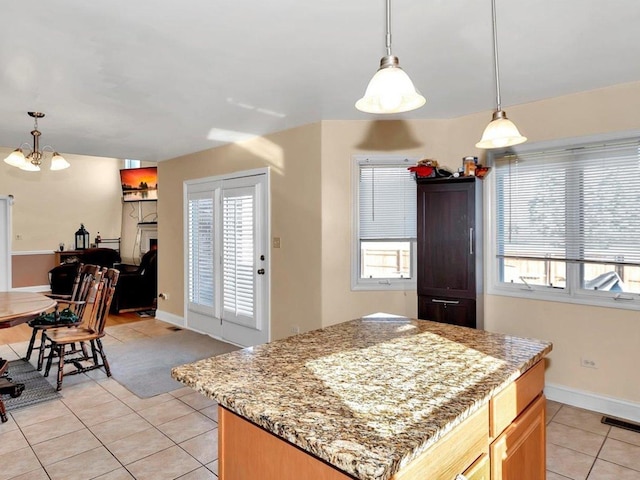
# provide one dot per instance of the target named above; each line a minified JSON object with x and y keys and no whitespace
{"x":144,"y":366}
{"x":36,"y":387}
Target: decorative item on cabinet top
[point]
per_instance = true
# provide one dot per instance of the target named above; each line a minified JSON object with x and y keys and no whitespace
{"x":428,"y":168}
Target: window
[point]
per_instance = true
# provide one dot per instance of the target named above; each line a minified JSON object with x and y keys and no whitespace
{"x":384,"y":224}
{"x":128,"y":163}
{"x":567,"y":223}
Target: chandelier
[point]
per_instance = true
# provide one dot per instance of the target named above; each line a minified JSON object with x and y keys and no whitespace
{"x":32,"y":161}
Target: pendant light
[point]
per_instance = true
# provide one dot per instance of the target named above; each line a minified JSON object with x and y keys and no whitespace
{"x":390,"y":90}
{"x":501,"y":132}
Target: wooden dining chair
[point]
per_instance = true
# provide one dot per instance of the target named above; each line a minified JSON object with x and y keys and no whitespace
{"x":90,"y":354}
{"x":68,"y":311}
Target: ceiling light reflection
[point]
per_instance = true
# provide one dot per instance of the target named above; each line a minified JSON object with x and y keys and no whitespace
{"x":247,"y":106}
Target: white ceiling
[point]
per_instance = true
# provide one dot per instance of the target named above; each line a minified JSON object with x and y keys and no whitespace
{"x":154,"y":80}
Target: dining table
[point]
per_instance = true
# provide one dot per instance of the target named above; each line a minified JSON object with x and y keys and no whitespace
{"x":20,"y":307}
{"x":17,"y":308}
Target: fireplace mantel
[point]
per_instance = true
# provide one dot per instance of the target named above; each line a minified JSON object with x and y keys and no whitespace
{"x":148,"y":232}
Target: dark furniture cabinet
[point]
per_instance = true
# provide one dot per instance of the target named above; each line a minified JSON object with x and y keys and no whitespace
{"x":450,"y":251}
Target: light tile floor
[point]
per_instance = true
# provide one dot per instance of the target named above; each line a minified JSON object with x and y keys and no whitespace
{"x":98,"y":429}
{"x":580,"y":447}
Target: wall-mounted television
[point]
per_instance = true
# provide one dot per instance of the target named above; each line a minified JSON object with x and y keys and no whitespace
{"x":139,"y":184}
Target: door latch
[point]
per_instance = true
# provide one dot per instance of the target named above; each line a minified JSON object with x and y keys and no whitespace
{"x":261,"y":271}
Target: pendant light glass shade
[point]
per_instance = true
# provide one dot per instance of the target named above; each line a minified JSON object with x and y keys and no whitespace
{"x":16,"y":158}
{"x":501,"y":132}
{"x":390,"y":90}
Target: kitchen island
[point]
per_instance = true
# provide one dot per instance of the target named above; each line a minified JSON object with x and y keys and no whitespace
{"x":378,"y":399}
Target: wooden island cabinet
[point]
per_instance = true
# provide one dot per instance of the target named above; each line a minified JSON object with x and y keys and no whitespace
{"x":502,"y":441}
{"x":379,"y":399}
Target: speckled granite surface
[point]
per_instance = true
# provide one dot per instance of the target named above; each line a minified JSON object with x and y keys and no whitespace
{"x":367,"y":395}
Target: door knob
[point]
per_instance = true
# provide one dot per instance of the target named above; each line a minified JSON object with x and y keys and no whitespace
{"x":261,"y":271}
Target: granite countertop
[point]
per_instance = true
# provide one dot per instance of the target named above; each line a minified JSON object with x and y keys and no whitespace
{"x":369,"y":395}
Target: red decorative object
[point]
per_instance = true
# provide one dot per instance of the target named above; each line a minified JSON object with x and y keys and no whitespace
{"x":422,"y":171}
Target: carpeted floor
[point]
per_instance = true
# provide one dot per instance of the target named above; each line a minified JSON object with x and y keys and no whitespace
{"x":36,"y":388}
{"x":144,"y":366}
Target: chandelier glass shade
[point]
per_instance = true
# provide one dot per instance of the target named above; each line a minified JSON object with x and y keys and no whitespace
{"x":501,"y":132}
{"x":32,"y":161}
{"x":390,"y":90}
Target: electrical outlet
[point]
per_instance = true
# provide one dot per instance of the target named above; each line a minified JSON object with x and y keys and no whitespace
{"x":276,"y":242}
{"x":164,"y":296}
{"x":588,"y":362}
{"x":295,"y":329}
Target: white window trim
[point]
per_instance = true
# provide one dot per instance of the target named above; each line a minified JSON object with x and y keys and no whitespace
{"x":375,"y":284}
{"x":571,"y":294}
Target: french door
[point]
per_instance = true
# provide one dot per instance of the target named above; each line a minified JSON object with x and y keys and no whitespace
{"x":227,"y":265}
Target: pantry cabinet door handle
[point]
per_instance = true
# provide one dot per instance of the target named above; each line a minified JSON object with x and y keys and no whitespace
{"x":448,"y":302}
{"x":471,"y":241}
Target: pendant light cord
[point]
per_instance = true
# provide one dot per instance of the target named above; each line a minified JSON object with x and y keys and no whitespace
{"x":495,"y":53}
{"x":388,"y":37}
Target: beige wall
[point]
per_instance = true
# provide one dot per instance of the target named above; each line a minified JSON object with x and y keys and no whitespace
{"x":340,"y":141}
{"x":311,"y":212}
{"x":294,"y":159}
{"x":49,"y":206}
{"x":609,"y":336}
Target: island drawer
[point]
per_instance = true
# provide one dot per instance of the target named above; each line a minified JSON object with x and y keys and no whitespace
{"x":454,"y":453}
{"x":507,"y":404}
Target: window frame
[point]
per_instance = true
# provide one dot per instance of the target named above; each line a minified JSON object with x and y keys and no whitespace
{"x":376,"y":284}
{"x":573,"y":293}
{"x":131,"y":163}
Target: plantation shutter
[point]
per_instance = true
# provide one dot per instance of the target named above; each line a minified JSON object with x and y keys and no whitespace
{"x":200,"y":238}
{"x":238,"y":256}
{"x":387,"y":203}
{"x":576,"y":205}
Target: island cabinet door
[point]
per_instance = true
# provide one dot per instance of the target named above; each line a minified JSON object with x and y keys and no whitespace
{"x":247,"y":452}
{"x":519,"y":452}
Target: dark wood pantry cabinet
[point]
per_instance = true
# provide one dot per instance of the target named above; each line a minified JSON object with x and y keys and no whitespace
{"x":450,"y":251}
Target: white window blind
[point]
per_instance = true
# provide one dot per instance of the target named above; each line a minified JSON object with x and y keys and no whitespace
{"x":387,"y":201}
{"x":238,"y":256}
{"x":200,"y":238}
{"x":575,"y":205}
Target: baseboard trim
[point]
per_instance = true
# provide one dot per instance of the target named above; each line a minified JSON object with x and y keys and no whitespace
{"x":180,"y":322}
{"x":592,"y":401}
{"x":170,"y":318}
